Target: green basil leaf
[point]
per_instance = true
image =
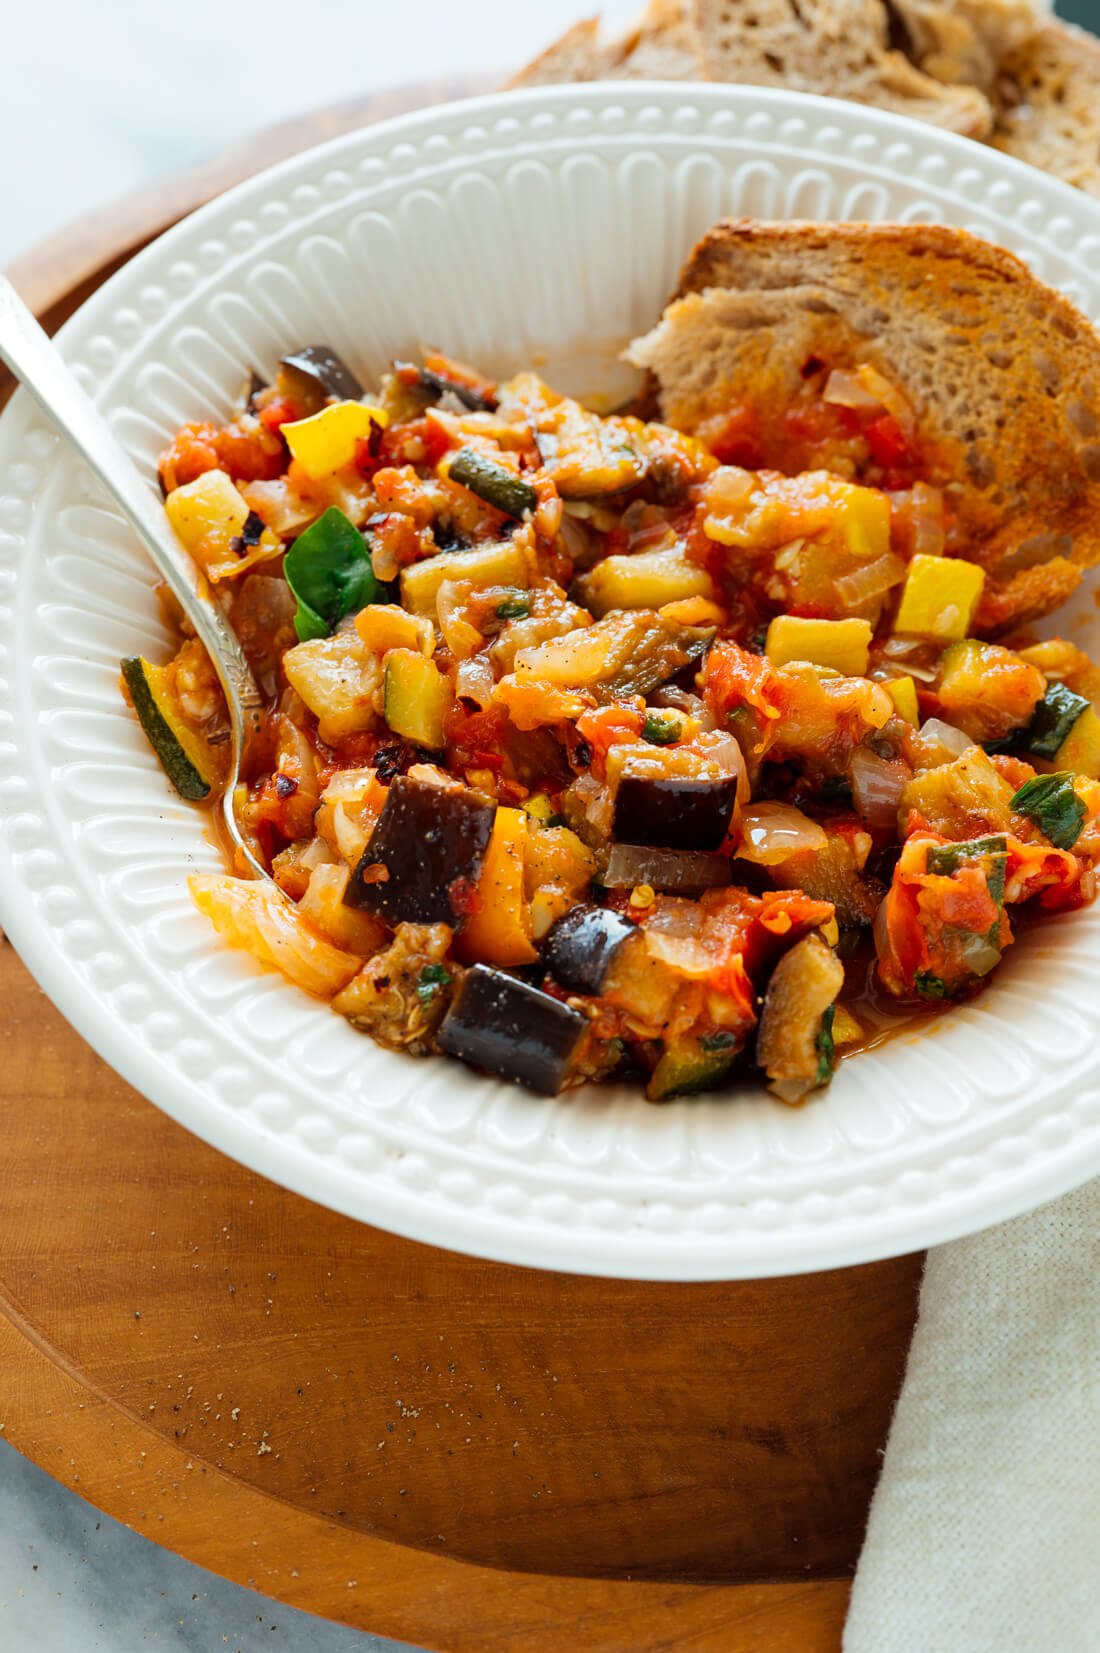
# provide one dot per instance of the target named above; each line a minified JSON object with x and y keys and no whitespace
{"x":1052,"y":803}
{"x":991,"y":854}
{"x":329,"y":571}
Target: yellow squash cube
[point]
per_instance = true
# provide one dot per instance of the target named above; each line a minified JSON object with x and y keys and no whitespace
{"x":649,"y":580}
{"x":903,"y":692}
{"x":503,"y":564}
{"x":417,"y":697}
{"x":939,"y":598}
{"x":385,"y":626}
{"x":326,"y":441}
{"x":842,"y":645}
{"x":208,"y":516}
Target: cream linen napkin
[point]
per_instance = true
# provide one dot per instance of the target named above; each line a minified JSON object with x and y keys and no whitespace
{"x":984,"y":1534}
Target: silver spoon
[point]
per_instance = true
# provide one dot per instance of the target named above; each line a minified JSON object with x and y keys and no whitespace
{"x":27,"y":351}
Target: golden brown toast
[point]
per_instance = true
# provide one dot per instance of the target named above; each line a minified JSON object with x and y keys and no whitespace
{"x":1002,"y":371}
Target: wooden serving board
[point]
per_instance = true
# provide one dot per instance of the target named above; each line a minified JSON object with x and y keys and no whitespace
{"x":450,"y":1452}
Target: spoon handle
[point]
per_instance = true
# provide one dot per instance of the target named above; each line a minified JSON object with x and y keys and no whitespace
{"x":30,"y":355}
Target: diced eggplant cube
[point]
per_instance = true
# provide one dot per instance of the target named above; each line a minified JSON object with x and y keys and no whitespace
{"x":431,"y":842}
{"x":320,"y":364}
{"x":675,"y":811}
{"x":509,"y":1028}
{"x":579,"y":948}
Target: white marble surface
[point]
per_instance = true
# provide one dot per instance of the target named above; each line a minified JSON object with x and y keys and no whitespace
{"x":101,"y":98}
{"x":74,"y":1581}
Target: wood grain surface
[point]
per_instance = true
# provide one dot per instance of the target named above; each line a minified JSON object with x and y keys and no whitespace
{"x":295,"y":1400}
{"x":454,"y":1453}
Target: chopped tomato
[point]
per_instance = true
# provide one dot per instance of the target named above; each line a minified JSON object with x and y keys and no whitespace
{"x":193,"y":452}
{"x":887,"y":441}
{"x":606,"y":727}
{"x":734,"y":437}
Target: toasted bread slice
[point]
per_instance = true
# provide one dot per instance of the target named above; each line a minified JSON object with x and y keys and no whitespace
{"x":837,"y":47}
{"x":664,"y":45}
{"x":961,"y":42}
{"x":576,"y":55}
{"x":1003,"y":374}
{"x":1048,"y":104}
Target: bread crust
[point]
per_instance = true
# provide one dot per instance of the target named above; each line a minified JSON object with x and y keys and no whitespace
{"x":1002,"y":370}
{"x":1048,"y":104}
{"x":839,"y":48}
{"x":574,"y":56}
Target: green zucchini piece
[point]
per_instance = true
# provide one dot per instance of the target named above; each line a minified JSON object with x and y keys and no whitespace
{"x":1080,"y":751}
{"x":1053,"y":719}
{"x":693,"y":1065}
{"x":492,"y":483}
{"x":992,"y":853}
{"x":416,"y":698}
{"x":826,"y":1049}
{"x":1051,"y":801}
{"x":183,"y":754}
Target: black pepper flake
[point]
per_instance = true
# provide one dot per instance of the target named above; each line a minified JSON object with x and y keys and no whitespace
{"x":285,"y":786}
{"x":812,"y":366}
{"x":249,"y":536}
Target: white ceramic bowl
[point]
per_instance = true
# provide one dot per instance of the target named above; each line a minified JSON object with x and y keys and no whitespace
{"x":506,"y":230}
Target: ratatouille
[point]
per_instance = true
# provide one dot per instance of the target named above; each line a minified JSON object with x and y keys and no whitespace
{"x":593,"y":749}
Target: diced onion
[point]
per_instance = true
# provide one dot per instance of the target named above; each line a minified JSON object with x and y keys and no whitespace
{"x":771,"y":832}
{"x":474,"y":680}
{"x":888,"y":396}
{"x":877,"y":786}
{"x":941,"y":742}
{"x":979,"y":954}
{"x":460,"y":635}
{"x":664,"y":869}
{"x":922,"y":508}
{"x":913,"y":655}
{"x":792,"y":1091}
{"x":846,"y":390}
{"x":674,"y":935}
{"x":870,"y":581}
{"x":868,"y":388}
{"x":722,"y":749}
{"x":281,"y":506}
{"x":595,"y":802}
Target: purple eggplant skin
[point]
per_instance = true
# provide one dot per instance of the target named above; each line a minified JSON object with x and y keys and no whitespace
{"x":675,"y":811}
{"x":437,"y":384}
{"x":429,"y":839}
{"x":505,"y":1026}
{"x":324,"y":368}
{"x":578,"y":950}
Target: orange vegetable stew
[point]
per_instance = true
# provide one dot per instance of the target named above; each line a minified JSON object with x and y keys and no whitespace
{"x":594,"y":750}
